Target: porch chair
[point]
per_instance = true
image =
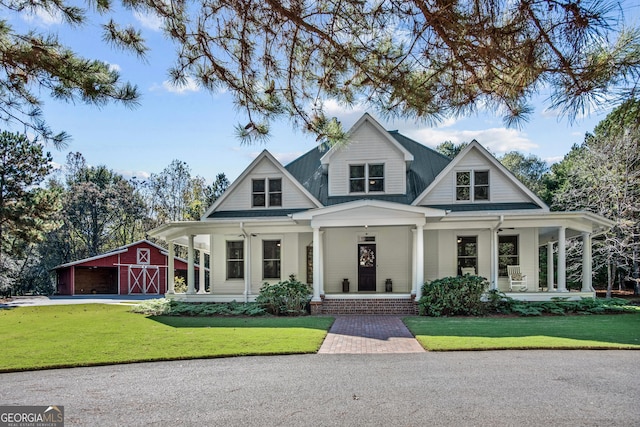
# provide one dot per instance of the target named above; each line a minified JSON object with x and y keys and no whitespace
{"x":517,"y":280}
{"x":468,"y":270}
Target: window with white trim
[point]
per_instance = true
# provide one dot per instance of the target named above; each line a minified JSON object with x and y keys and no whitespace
{"x":271,"y":259}
{"x":266,"y":192}
{"x":508,"y":253}
{"x":472,"y":186}
{"x":235,"y":259}
{"x":366,"y":178}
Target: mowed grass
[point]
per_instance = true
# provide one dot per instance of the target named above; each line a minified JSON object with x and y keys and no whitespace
{"x":617,"y":331}
{"x":98,"y":334}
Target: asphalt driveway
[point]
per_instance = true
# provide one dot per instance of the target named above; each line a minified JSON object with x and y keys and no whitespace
{"x":493,"y":388}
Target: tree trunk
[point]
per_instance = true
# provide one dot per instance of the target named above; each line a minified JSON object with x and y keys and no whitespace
{"x":609,"y":278}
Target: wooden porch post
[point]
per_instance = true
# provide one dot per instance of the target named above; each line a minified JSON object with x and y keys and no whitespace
{"x":171,"y":269}
{"x":420,"y":259}
{"x":321,"y":262}
{"x":550,"y":268}
{"x":414,"y":263}
{"x":211,"y":263}
{"x":191,"y":282}
{"x":247,"y":268}
{"x":586,"y":262}
{"x":562,"y":260}
{"x":201,"y":272}
{"x":317,"y":267}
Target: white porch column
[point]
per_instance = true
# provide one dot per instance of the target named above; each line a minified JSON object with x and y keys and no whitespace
{"x":247,"y":268}
{"x":201,"y":272}
{"x":550,"y":268}
{"x":321,"y":272}
{"x":171,"y":269}
{"x":211,"y":263}
{"x":586,"y":262}
{"x":414,"y":262}
{"x":191,"y":271}
{"x":494,"y":260}
{"x":317,"y":267}
{"x":562,"y":260}
{"x":420,"y":260}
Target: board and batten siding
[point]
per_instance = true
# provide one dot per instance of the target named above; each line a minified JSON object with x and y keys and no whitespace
{"x":501,"y":188}
{"x":292,"y":196}
{"x":367,"y":146}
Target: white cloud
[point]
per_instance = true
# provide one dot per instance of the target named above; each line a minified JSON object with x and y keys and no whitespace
{"x":113,"y":67}
{"x":44,"y":17}
{"x":497,"y":140}
{"x":553,"y":159}
{"x":139,"y":175}
{"x":189,"y":86}
{"x":149,"y":20}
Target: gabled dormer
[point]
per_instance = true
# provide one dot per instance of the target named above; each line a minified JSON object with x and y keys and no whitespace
{"x":476,"y":180}
{"x":265,"y":187}
{"x":371,"y":163}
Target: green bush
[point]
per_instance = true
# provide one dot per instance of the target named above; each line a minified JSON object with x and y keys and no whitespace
{"x":166,"y":307}
{"x":560,"y":306}
{"x":288,"y":298}
{"x":453,"y":296}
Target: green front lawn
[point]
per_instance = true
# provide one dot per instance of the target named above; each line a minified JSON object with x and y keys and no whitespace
{"x":97,"y":334}
{"x":617,"y":331}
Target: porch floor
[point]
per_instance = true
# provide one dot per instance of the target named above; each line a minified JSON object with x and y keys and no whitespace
{"x":369,"y":334}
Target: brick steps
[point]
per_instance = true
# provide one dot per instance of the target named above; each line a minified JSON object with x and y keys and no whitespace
{"x":396,"y":306}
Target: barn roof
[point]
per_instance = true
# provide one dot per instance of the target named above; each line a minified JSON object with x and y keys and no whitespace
{"x":116,"y":251}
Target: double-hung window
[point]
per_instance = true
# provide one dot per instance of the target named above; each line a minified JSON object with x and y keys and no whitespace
{"x":467,"y":254}
{"x":366,"y":178}
{"x":266,"y":192}
{"x":235,"y":259}
{"x":271,"y":259}
{"x":507,"y":253}
{"x":472,"y":186}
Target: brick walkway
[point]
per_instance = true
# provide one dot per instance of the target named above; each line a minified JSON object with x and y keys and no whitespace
{"x":369,"y":334}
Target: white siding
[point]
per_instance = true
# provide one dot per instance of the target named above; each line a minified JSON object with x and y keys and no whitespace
{"x":393,"y":253}
{"x":292,"y":196}
{"x":367,"y":146}
{"x":221,"y":285}
{"x":501,"y":188}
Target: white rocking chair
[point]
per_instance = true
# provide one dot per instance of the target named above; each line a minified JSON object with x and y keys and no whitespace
{"x":517,"y":280}
{"x":468,"y":270}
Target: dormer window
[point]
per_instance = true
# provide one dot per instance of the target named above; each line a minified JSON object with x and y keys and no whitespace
{"x":366,"y":178}
{"x":472,"y":186}
{"x":266,"y":192}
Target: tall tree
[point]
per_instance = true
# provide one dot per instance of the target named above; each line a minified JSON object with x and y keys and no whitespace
{"x":32,"y":63}
{"x":530,"y":170}
{"x":604,"y":177}
{"x":450,"y":149}
{"x":25,"y":208}
{"x":417,"y":59}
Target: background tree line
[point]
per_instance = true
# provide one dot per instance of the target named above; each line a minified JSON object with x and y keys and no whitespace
{"x":47,"y":219}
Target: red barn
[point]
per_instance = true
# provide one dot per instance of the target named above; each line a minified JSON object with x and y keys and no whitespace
{"x":137,"y":268}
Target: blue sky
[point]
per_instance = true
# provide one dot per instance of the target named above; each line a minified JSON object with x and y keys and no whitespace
{"x":197,"y":127}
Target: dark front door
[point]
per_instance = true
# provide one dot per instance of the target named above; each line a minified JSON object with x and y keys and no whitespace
{"x":366,"y":268}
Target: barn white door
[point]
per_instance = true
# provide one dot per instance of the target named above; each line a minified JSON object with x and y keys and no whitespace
{"x":144,"y":279}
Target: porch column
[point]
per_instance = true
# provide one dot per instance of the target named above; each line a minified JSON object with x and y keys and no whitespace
{"x":201,"y":272}
{"x":562,"y":260}
{"x":191,"y":271}
{"x":586,"y":262}
{"x":494,"y":259}
{"x":321,"y":272}
{"x":171,"y":269}
{"x":317,"y":267}
{"x":211,"y":263}
{"x":550,"y":268}
{"x":420,"y":260}
{"x":414,"y":262}
{"x":247,"y":268}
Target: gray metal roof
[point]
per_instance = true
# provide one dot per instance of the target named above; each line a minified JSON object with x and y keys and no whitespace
{"x":427,"y":164}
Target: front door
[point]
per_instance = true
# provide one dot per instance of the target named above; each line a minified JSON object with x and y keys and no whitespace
{"x":366,"y":267}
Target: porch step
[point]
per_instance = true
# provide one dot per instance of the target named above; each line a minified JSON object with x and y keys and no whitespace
{"x":404,"y":306}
